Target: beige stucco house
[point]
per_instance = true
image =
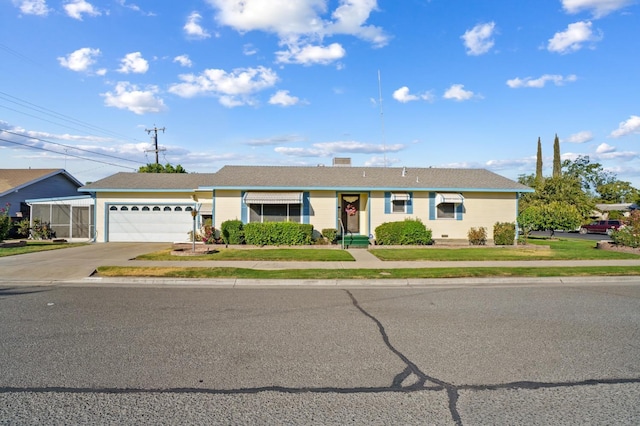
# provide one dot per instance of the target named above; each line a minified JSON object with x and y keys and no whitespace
{"x":355,"y":200}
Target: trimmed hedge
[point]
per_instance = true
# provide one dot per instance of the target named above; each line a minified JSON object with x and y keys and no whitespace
{"x":330,"y":234}
{"x":406,"y":232}
{"x":232,"y":232}
{"x":278,"y":234}
{"x":504,"y":233}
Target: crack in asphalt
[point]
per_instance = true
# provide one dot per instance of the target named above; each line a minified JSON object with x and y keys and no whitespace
{"x":424,"y":383}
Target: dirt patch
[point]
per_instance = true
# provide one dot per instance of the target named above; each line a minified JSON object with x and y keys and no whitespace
{"x":189,"y":250}
{"x":611,"y":246}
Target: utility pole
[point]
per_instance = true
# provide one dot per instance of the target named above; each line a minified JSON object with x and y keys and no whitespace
{"x":155,"y":141}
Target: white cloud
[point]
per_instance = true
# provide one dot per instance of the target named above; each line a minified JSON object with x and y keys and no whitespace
{"x":479,"y":39}
{"x":32,"y":7}
{"x":283,"y":98}
{"x":604,"y":148}
{"x":599,"y":8}
{"x":129,"y":96}
{"x":232,"y":88}
{"x":80,"y":60}
{"x":249,"y":49}
{"x":193,"y":29}
{"x":402,"y":95}
{"x":540,"y":82}
{"x":328,"y":149}
{"x":183,"y":60}
{"x":580,"y":137}
{"x":632,"y":125}
{"x":276,"y":140}
{"x":133,"y":63}
{"x":457,"y":93}
{"x":308,"y":54}
{"x":76,"y":8}
{"x":573,"y":38}
{"x":301,"y":23}
{"x":378,"y":161}
{"x":134,"y":7}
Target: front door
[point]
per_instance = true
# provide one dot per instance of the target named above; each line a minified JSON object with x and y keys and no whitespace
{"x":351,"y":213}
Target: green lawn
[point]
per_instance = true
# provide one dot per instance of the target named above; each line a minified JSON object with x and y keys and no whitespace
{"x":35,"y":246}
{"x":265,"y":254}
{"x":536,"y":249}
{"x":346,"y":274}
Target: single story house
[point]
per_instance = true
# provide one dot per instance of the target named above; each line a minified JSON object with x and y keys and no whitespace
{"x":19,"y":185}
{"x":353,"y":200}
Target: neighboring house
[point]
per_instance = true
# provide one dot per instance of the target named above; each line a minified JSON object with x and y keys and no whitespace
{"x":602,"y":210}
{"x":19,"y":185}
{"x":157,"y":207}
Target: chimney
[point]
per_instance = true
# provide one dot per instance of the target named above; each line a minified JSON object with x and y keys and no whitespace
{"x":341,"y":162}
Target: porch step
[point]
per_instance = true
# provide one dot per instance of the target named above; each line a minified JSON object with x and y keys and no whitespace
{"x":355,"y":241}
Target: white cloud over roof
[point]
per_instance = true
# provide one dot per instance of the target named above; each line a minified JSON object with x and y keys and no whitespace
{"x":580,"y":137}
{"x":457,"y":93}
{"x":628,"y":127}
{"x":139,"y":101}
{"x":80,"y":60}
{"x":328,"y":149}
{"x":283,"y":98}
{"x":32,"y":7}
{"x":309,"y":54}
{"x":183,"y":60}
{"x":479,"y":39}
{"x":573,"y":38}
{"x":403,"y":95}
{"x":76,"y":8}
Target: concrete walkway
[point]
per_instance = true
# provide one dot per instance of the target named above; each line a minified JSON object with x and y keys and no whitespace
{"x":79,"y":263}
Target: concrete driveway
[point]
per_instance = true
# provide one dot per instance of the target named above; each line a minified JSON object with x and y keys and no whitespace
{"x":70,"y":263}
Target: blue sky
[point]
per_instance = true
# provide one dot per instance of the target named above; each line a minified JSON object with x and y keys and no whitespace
{"x":463,"y":83}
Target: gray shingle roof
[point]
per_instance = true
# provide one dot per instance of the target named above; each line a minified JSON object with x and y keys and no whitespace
{"x":362,"y":178}
{"x":124,"y":181}
{"x":301,"y":178}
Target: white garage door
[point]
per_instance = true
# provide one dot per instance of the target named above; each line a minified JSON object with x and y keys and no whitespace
{"x":150,"y":222}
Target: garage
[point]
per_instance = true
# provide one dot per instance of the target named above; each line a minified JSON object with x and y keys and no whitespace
{"x":149,"y":222}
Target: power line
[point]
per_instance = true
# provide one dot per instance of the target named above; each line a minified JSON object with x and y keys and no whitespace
{"x":70,"y":146}
{"x":70,"y":155}
{"x":155,"y":140}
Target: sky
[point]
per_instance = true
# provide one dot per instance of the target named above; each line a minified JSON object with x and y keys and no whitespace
{"x":388,"y":83}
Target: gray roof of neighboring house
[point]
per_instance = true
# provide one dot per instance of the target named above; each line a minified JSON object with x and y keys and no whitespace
{"x":138,"y":182}
{"x":299,"y":178}
{"x":15,"y":179}
{"x":362,"y":178}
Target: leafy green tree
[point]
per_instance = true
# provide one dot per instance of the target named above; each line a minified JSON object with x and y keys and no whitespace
{"x":617,"y":192}
{"x":5,"y":222}
{"x":591,"y":175}
{"x":557,"y":165}
{"x":549,"y":217}
{"x":159,"y":168}
{"x":560,"y":189}
{"x":529,"y":180}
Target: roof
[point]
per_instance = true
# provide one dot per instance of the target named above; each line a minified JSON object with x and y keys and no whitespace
{"x":138,"y":182}
{"x":306,"y":178}
{"x":363,"y":178}
{"x":16,"y":179}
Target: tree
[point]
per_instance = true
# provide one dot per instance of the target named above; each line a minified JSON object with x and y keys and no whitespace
{"x":617,"y":192}
{"x":561,"y":189}
{"x":557,"y":166}
{"x":590,"y":175}
{"x":159,"y":168}
{"x":539,"y":176}
{"x":549,"y":217}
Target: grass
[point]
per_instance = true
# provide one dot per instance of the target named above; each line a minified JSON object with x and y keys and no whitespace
{"x":288,"y":255}
{"x":556,"y":249}
{"x":345,"y":274}
{"x":36,"y":246}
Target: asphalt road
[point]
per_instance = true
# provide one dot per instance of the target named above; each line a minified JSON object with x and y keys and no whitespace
{"x":449,"y":354}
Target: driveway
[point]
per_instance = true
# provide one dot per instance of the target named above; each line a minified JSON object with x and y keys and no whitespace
{"x":70,"y":263}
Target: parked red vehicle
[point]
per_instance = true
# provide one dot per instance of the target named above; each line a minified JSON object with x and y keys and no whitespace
{"x":601,"y":227}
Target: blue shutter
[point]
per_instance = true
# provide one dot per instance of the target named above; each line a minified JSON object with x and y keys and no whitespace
{"x":387,"y":202}
{"x":459,"y":211}
{"x":244,"y":211}
{"x":410,"y":203}
{"x":432,"y":206}
{"x":306,"y":207}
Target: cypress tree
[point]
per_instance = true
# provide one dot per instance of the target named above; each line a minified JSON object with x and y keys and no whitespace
{"x":557,"y":165}
{"x":539,"y":162}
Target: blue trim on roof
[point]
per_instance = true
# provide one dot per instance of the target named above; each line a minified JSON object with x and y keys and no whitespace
{"x":69,"y":198}
{"x":359,"y":189}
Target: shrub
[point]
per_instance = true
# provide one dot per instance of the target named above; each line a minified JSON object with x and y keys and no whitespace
{"x":477,"y":236}
{"x":330,"y":234}
{"x":22,"y":228}
{"x":232,"y":231}
{"x":406,"y":232}
{"x":628,"y":234}
{"x":5,"y":222}
{"x":504,"y":233}
{"x":278,"y":234}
